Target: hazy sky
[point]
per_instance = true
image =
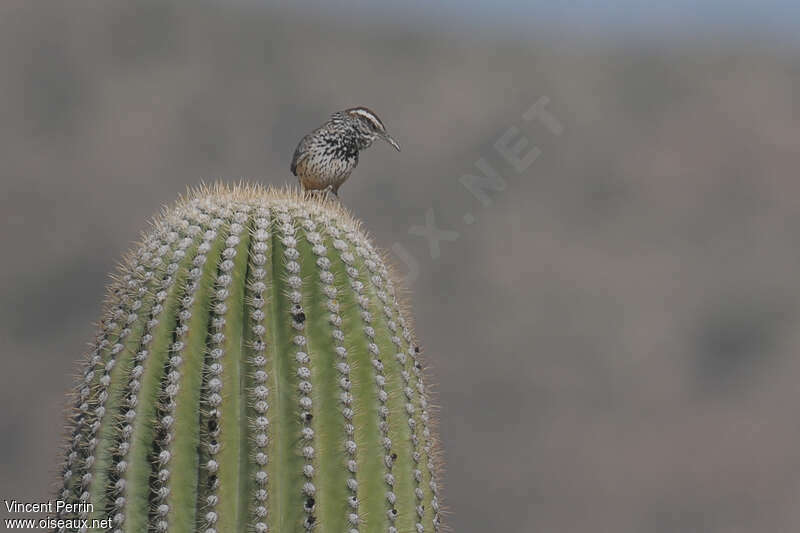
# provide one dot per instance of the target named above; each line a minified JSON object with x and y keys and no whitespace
{"x":772,"y":19}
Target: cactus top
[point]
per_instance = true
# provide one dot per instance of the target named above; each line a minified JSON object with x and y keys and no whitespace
{"x":253,"y":371}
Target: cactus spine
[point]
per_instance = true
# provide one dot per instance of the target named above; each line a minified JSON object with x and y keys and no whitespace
{"x":253,"y":372}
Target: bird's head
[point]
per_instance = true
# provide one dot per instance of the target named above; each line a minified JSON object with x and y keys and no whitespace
{"x":369,"y":127}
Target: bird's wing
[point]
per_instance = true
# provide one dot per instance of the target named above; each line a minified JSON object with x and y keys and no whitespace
{"x":300,"y":153}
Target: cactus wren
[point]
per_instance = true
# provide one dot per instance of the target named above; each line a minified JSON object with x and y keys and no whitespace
{"x":325,"y":157}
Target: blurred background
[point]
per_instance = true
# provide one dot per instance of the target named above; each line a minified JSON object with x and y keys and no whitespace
{"x":611,"y":329}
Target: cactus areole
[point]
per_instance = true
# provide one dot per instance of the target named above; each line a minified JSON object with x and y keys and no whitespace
{"x":253,"y":372}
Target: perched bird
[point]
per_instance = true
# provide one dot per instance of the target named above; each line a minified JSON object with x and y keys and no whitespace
{"x":325,"y":157}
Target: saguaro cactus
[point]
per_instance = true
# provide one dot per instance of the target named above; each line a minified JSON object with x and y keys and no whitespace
{"x":253,"y":372}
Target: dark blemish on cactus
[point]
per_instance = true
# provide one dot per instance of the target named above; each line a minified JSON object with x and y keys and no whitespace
{"x":308,"y":417}
{"x":212,"y":425}
{"x":212,"y":480}
{"x":394,"y":457}
{"x":416,"y":349}
{"x":298,"y":314}
{"x":310,"y":503}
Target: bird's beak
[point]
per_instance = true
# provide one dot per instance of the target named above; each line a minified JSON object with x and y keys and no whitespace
{"x":388,"y":138}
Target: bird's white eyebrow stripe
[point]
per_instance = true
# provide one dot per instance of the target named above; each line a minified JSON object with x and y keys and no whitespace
{"x":369,"y":116}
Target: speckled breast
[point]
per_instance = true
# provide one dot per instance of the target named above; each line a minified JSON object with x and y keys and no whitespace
{"x":321,"y":172}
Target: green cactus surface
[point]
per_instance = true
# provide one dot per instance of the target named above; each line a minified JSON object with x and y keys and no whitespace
{"x":253,"y":372}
